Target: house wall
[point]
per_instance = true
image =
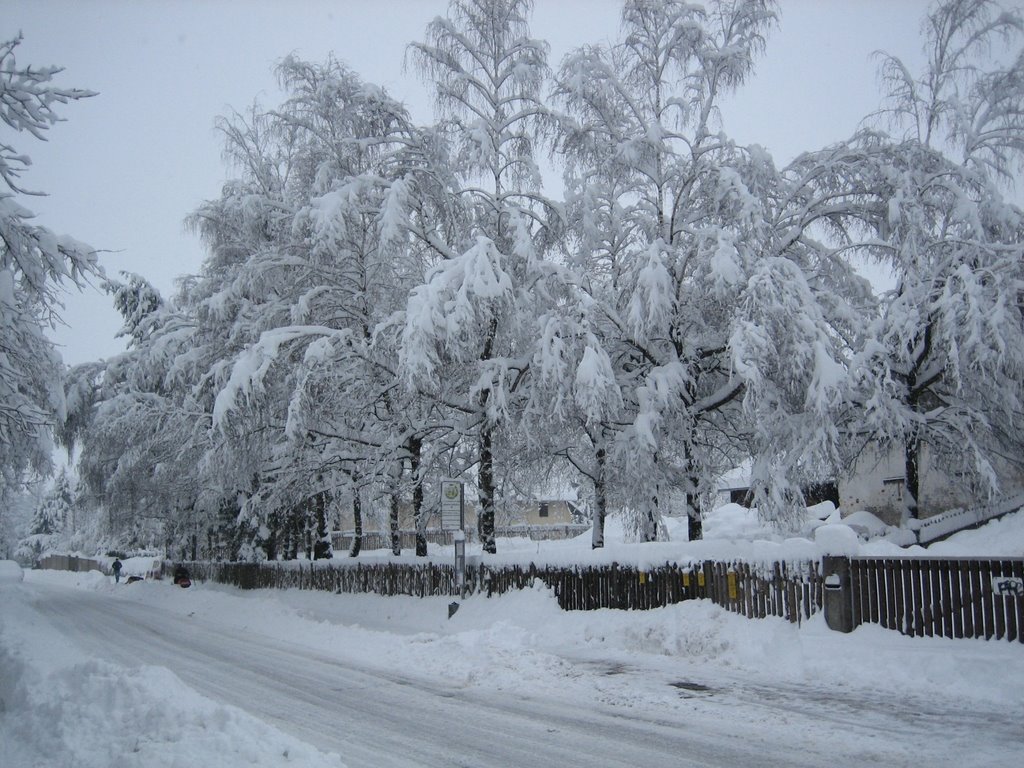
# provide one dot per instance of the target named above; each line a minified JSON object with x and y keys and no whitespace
{"x":557,"y":512}
{"x":376,"y":519}
{"x":876,"y":484}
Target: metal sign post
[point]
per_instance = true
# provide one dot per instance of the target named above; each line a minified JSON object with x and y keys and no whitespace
{"x":460,"y":563}
{"x":453,"y":518}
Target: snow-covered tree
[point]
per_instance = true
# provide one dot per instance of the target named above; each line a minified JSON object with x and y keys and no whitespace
{"x":943,"y":362}
{"x":137,"y":428}
{"x":52,"y":516}
{"x":16,"y":514}
{"x":35,"y":265}
{"x":312,"y":391}
{"x":471,"y":318}
{"x":725,"y":315}
{"x":575,"y":400}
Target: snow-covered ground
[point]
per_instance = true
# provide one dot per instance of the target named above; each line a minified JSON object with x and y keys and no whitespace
{"x":84,"y":680}
{"x":733,"y":532}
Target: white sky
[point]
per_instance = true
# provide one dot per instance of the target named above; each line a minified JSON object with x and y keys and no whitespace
{"x":129,"y":165}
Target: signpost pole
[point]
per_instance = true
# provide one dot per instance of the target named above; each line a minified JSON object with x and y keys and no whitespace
{"x":453,"y":518}
{"x":460,"y":563}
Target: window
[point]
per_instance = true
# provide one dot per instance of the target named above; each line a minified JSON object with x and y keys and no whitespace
{"x":895,"y":484}
{"x":740,"y":496}
{"x":543,"y":509}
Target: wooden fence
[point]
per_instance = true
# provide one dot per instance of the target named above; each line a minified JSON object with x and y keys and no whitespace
{"x":792,"y":591}
{"x":940,"y":597}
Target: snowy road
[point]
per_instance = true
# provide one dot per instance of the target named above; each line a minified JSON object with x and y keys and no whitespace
{"x":377,"y":716}
{"x":377,"y":719}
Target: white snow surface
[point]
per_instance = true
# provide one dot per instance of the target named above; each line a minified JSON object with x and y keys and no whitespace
{"x":733,"y":532}
{"x":10,"y":572}
{"x":872,"y":694}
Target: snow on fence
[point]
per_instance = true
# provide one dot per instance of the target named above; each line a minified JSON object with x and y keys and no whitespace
{"x":977,"y":598}
{"x":790,"y":590}
{"x":945,"y":524}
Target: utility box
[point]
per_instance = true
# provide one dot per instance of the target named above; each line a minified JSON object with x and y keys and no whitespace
{"x":838,"y":595}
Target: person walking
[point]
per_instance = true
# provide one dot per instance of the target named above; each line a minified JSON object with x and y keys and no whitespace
{"x":116,"y":568}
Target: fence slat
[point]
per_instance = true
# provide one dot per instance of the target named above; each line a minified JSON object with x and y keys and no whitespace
{"x":898,"y":599}
{"x":1018,"y":571}
{"x":929,"y":600}
{"x":1010,"y":606}
{"x":956,"y":586}
{"x":748,"y":591}
{"x":872,"y":590}
{"x":889,"y":580}
{"x":943,"y":573}
{"x":987,"y":610}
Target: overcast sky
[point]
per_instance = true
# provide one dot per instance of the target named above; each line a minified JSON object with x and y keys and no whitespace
{"x":129,"y":165}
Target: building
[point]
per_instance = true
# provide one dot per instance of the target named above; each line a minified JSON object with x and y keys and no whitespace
{"x":876,"y":483}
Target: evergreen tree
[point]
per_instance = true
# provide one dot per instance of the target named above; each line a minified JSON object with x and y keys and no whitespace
{"x":36,"y":264}
{"x":49,"y":521}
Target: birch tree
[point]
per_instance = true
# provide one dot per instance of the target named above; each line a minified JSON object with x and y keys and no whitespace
{"x":318,"y":382}
{"x":943,"y":364}
{"x":644,"y":158}
{"x":488,"y":75}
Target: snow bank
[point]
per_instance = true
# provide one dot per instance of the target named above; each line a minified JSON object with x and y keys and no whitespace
{"x":996,"y":538}
{"x":733,"y":532}
{"x":59,"y":708}
{"x":10,"y":572}
{"x":98,"y":714}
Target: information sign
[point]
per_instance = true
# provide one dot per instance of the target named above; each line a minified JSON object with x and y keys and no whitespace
{"x":452,"y":505}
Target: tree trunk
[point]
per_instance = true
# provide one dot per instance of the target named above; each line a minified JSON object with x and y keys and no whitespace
{"x":916,"y":390}
{"x":694,"y":523}
{"x":270,"y":543}
{"x":396,"y":533}
{"x":415,"y":451}
{"x":294,"y":533}
{"x":912,"y":492}
{"x":357,"y":524}
{"x":650,"y":521}
{"x":600,"y":496}
{"x":322,"y":545}
{"x":485,"y":523}
{"x":393,"y":502}
{"x":485,"y":515}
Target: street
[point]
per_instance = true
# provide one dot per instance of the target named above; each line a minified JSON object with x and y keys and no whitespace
{"x":601,"y":712}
